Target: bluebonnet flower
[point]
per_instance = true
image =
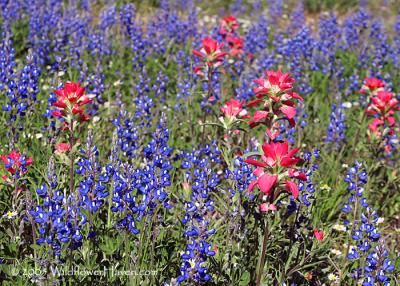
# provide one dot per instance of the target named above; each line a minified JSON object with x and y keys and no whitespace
{"x":297,"y":19}
{"x":242,"y":175}
{"x":337,"y":125}
{"x":184,"y":92}
{"x":275,"y":12}
{"x":201,"y":180}
{"x":7,"y":60}
{"x":244,"y":90}
{"x":59,"y":218}
{"x":354,"y":83}
{"x":395,"y":48}
{"x":307,"y":188}
{"x":93,"y":179}
{"x":379,"y":48}
{"x":353,"y":27}
{"x":368,"y":244}
{"x":256,"y":39}
{"x":160,"y":85}
{"x":22,"y":89}
{"x":138,"y":191}
{"x":129,"y":139}
{"x":238,"y":7}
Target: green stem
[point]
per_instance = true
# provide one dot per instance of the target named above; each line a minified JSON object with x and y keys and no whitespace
{"x":263,"y":255}
{"x":72,"y":159}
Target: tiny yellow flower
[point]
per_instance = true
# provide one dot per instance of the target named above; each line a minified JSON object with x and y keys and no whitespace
{"x":325,"y":187}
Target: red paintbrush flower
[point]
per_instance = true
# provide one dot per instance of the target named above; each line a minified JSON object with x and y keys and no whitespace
{"x":319,"y":234}
{"x":374,"y":126}
{"x":276,"y":154}
{"x":275,"y":83}
{"x":211,"y":55}
{"x":233,"y":108}
{"x":382,"y":103}
{"x":276,"y":98}
{"x":236,"y":45}
{"x":228,"y":26}
{"x":63,"y":147}
{"x":276,"y":158}
{"x":70,"y":101}
{"x":371,"y":85}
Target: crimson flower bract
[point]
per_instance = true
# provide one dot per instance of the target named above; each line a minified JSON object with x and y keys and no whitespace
{"x":211,"y":54}
{"x":228,"y":26}
{"x":232,"y":108}
{"x":372,"y":84}
{"x":276,"y":169}
{"x":70,"y":101}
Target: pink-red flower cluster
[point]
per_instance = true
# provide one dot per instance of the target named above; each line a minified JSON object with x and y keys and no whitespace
{"x":275,"y":97}
{"x":228,"y":26}
{"x":211,"y":55}
{"x":276,"y":170}
{"x":70,"y":101}
{"x":382,"y":106}
{"x":372,"y":85}
{"x":227,"y":30}
{"x":236,"y":46}
{"x":319,"y":234}
{"x":233,"y":108}
{"x":62,"y":147}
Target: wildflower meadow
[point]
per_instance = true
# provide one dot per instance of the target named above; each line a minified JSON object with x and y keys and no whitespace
{"x":189,"y":142}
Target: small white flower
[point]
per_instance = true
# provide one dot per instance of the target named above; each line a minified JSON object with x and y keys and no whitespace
{"x":347,"y":105}
{"x":336,"y":252}
{"x":339,"y":227}
{"x":332,"y":277}
{"x":380,"y":220}
{"x":61,"y":73}
{"x":345,"y":166}
{"x":38,"y":135}
{"x":243,"y":112}
{"x":10,"y":215}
